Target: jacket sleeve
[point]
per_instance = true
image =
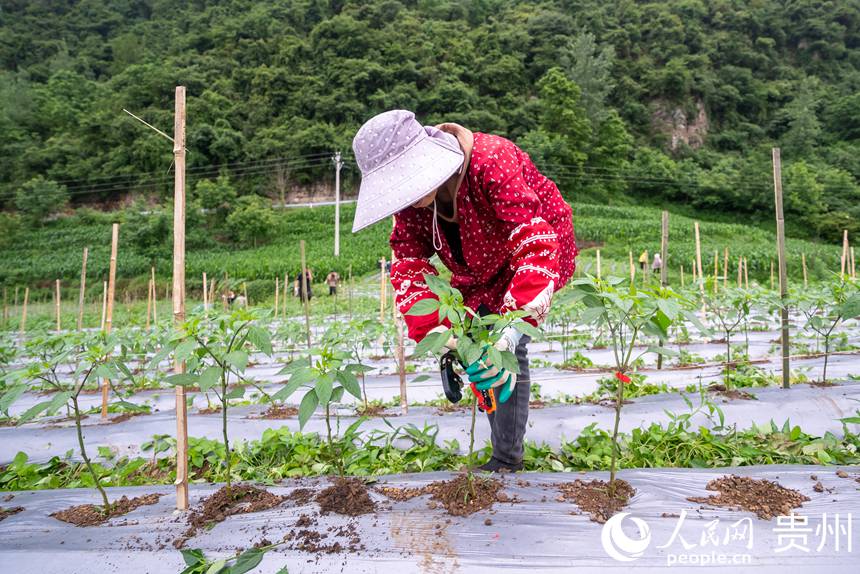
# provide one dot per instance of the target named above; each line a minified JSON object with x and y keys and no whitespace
{"x":532,"y":241}
{"x":412,"y":249}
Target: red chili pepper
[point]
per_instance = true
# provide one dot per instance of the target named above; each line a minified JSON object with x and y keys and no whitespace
{"x":622,"y":377}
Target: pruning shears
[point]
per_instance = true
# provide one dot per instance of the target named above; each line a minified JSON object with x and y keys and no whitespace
{"x":452,"y":384}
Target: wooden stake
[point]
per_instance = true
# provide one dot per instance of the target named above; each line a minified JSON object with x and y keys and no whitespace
{"x":401,"y":363}
{"x":803,"y":262}
{"x":148,"y":303}
{"x":598,"y":263}
{"x":23,"y":325}
{"x":57,"y":301}
{"x":699,"y":257}
{"x":844,"y":251}
{"x":154,"y":297}
{"x":277,"y":292}
{"x":664,"y":250}
{"x":205,"y":293}
{"x":83,"y":290}
{"x":111,"y":290}
{"x":746,"y":273}
{"x":740,"y":272}
{"x":304,"y":282}
{"x":716,"y":270}
{"x":783,"y":274}
{"x":632,"y":268}
{"x":179,"y":293}
{"x":726,"y":269}
{"x":104,"y":305}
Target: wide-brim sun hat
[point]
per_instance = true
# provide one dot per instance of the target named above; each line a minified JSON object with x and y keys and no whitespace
{"x":401,"y":161}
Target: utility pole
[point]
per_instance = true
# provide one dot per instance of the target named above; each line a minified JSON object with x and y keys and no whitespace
{"x":181,"y":481}
{"x":337,"y":165}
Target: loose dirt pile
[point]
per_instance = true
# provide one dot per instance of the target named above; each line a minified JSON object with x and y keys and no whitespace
{"x":594,"y":497}
{"x":6,"y":512}
{"x":347,"y":496}
{"x":280,"y":412}
{"x":458,"y":496}
{"x":764,"y":497}
{"x":306,"y":536}
{"x":240,"y":499}
{"x":92,"y":515}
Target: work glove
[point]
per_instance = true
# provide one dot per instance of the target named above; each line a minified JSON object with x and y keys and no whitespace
{"x":486,"y":375}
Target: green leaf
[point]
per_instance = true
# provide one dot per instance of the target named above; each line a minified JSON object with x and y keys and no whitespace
{"x":181,"y":379}
{"x":307,"y":407}
{"x":592,"y":314}
{"x":424,"y":307}
{"x":527,"y":328}
{"x":337,"y":394}
{"x":184,"y":350}
{"x":261,"y":339}
{"x":235,"y":393}
{"x":216,"y":567}
{"x":670,"y":308}
{"x":854,"y":420}
{"x":210,"y":377}
{"x":283,"y":571}
{"x":666,"y":352}
{"x":287,"y":390}
{"x":193,"y":557}
{"x":323,"y":388}
{"x":11,"y":395}
{"x":238,"y":360}
{"x":421,"y":379}
{"x":350,"y":383}
{"x":247,"y":561}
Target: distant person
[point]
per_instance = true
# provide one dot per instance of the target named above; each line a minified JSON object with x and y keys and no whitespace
{"x":332,"y":279}
{"x":643,"y":260}
{"x":231,"y":296}
{"x":657,"y":264}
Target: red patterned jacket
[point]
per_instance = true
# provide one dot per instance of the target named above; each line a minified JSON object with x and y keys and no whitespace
{"x":516,"y":233}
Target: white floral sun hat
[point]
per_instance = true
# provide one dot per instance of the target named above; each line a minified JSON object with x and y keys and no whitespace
{"x":401,"y":161}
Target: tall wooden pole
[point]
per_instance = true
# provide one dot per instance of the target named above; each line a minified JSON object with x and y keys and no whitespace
{"x":664,"y":250}
{"x":154,"y":297}
{"x":104,"y":305}
{"x":57,"y":303}
{"x":306,"y":287}
{"x":111,"y":292}
{"x":699,"y":274}
{"x":783,"y":275}
{"x":632,"y":267}
{"x":23,"y":325}
{"x":83,"y":290}
{"x":803,"y":262}
{"x":179,"y":293}
{"x":598,"y":264}
{"x":148,"y":303}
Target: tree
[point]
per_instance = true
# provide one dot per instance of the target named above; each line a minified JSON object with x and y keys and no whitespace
{"x":590,"y":67}
{"x":252,"y":221}
{"x":40,"y":198}
{"x":218,"y":196}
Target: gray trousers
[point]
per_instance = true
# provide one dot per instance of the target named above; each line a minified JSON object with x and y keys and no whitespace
{"x":508,"y":423}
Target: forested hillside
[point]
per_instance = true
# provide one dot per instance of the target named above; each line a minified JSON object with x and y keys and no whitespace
{"x":620,"y":101}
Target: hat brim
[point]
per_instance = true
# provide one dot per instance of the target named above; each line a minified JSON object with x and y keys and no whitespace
{"x":400,"y":183}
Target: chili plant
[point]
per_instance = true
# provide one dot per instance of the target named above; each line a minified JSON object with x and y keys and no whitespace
{"x":731,"y":308}
{"x":70,"y":361}
{"x":828,"y":308}
{"x":629,"y":315}
{"x":216,"y":351}
{"x":326,"y":373}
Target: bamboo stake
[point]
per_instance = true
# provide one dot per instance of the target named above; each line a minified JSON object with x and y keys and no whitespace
{"x":57,"y":302}
{"x":148,"y":302}
{"x":598,"y":263}
{"x":783,"y":274}
{"x":740,"y":272}
{"x":205,"y":293}
{"x":23,"y":325}
{"x":104,"y":305}
{"x":716,"y":270}
{"x":844,"y":251}
{"x":154,"y":297}
{"x":699,"y":258}
{"x":111,"y":292}
{"x":83,"y":290}
{"x":726,"y":269}
{"x":181,"y":481}
{"x":632,"y":268}
{"x":803,"y":262}
{"x":664,"y":250}
{"x":304,"y":281}
{"x":277,"y":292}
